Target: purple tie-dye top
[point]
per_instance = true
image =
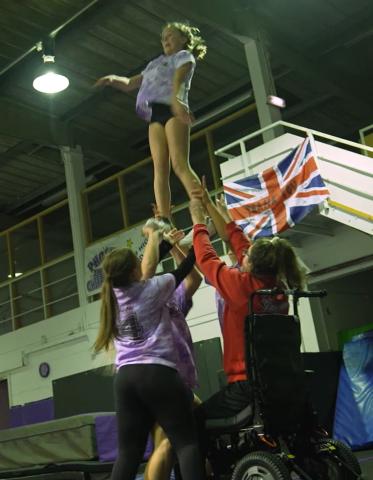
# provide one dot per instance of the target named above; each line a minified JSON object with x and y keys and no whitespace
{"x":157,"y":80}
{"x":179,"y":306}
{"x":152,"y":327}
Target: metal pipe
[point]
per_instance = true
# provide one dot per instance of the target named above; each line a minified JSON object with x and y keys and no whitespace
{"x":51,"y":35}
{"x":74,"y":17}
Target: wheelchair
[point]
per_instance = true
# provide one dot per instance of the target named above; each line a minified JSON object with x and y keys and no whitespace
{"x":277,"y":436}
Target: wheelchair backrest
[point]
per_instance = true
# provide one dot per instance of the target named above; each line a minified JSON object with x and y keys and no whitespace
{"x":275,"y":367}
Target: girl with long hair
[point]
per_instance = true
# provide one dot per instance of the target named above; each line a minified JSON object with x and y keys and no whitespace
{"x":148,"y":386}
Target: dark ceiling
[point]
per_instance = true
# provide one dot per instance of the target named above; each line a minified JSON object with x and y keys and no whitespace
{"x":320,"y":53}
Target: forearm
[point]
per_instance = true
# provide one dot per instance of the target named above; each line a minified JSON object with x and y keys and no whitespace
{"x":219,"y":221}
{"x":194,"y":278}
{"x":178,"y":254}
{"x":206,"y":257}
{"x":164,"y":248}
{"x":126,"y":84}
{"x":185,"y":267}
{"x":150,"y":258}
{"x":238,"y":240}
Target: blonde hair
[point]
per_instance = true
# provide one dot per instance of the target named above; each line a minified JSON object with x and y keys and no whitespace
{"x":195,"y":43}
{"x":276,"y":257}
{"x":117,"y":266}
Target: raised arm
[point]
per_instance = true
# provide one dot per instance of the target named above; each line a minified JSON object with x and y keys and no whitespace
{"x":228,"y":281}
{"x":153,"y":252}
{"x":194,"y":278}
{"x":125,"y":84}
{"x":150,"y":258}
{"x":238,"y":241}
{"x":217,"y":214}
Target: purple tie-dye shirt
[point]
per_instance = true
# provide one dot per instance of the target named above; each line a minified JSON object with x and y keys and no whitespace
{"x":179,"y":306}
{"x":157,"y":82}
{"x":152,"y":327}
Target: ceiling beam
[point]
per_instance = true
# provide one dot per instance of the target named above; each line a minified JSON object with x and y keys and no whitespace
{"x":238,"y":19}
{"x":28,"y":124}
{"x":31,"y":126}
{"x":34,"y":125}
{"x":10,"y":153}
{"x":7,"y":221}
{"x":316,"y":70}
{"x":88,"y":15}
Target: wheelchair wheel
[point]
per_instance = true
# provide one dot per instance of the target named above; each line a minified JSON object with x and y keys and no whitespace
{"x":339,"y":461}
{"x":260,"y":466}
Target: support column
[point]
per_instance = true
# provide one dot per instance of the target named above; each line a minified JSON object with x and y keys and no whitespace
{"x":75,"y":181}
{"x":262,"y":82}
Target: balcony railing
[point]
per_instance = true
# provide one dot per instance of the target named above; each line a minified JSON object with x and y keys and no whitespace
{"x":37,"y":274}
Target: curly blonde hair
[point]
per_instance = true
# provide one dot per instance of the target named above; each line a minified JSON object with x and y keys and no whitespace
{"x":195,"y":43}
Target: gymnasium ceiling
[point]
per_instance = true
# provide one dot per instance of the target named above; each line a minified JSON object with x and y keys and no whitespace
{"x":320,"y":54}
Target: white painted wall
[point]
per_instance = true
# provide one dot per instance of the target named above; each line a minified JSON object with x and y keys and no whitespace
{"x":349,"y":303}
{"x":346,"y":245}
{"x":63,"y":341}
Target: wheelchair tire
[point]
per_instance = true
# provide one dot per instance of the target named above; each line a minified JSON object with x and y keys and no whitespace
{"x":335,"y":470}
{"x":260,"y":466}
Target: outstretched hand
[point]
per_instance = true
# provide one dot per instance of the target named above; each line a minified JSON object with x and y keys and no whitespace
{"x":222,"y":208}
{"x":104,"y":81}
{"x":151,"y":227}
{"x":173,"y":236}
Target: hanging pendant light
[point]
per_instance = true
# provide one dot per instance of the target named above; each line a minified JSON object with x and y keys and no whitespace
{"x":49,"y":78}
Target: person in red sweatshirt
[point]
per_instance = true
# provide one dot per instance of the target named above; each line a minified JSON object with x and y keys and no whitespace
{"x":265,"y":263}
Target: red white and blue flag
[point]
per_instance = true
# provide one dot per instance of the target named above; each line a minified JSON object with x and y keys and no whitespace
{"x":269,"y":202}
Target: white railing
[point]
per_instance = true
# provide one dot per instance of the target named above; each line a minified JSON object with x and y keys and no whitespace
{"x":348,"y":174}
{"x":241,"y":141}
{"x":12,"y":311}
{"x":362,"y":134}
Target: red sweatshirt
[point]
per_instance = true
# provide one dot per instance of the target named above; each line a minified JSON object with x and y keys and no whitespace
{"x":235,"y":287}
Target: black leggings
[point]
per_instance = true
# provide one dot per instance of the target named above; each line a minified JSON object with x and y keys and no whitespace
{"x":146,"y":394}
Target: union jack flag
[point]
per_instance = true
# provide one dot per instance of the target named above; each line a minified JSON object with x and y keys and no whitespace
{"x":274,"y":200}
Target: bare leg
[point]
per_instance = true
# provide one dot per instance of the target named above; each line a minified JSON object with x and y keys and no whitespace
{"x":161,"y":162}
{"x":160,"y":463}
{"x":177,"y":134}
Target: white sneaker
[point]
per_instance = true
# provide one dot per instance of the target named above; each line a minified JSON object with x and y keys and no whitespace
{"x":188,"y":239}
{"x":156,"y":224}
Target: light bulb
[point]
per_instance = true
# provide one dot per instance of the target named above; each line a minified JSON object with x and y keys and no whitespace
{"x":50,"y":82}
{"x":16,"y":274}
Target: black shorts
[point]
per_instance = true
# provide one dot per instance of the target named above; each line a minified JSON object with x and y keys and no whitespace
{"x":161,"y":113}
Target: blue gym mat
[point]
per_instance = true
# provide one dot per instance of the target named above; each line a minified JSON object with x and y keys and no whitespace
{"x":353,"y":421}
